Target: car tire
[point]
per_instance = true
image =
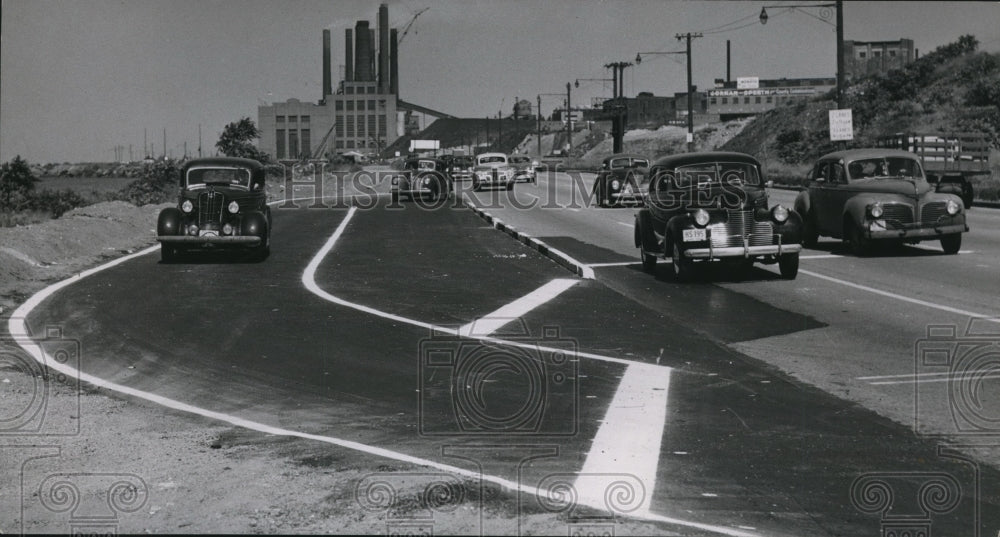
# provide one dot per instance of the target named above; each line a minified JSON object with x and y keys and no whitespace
{"x":788,"y":265}
{"x":810,"y":233}
{"x":683,"y":269}
{"x":476,"y":187}
{"x":859,"y":245}
{"x":951,"y":244}
{"x":600,"y":198}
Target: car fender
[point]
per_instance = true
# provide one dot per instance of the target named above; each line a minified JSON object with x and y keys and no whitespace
{"x":855,"y":209}
{"x":803,"y":203}
{"x":645,"y":231}
{"x":791,"y":229}
{"x":170,"y":222}
{"x":254,"y":224}
{"x":676,"y":225}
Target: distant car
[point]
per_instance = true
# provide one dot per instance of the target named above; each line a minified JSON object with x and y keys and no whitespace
{"x":712,"y":206}
{"x":222,"y":204}
{"x":619,"y":180}
{"x":461,"y":168}
{"x":421,"y":176}
{"x":869,"y":197}
{"x":492,"y":170}
{"x":524,"y":168}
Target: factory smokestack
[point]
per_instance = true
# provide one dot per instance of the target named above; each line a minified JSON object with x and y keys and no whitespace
{"x":371,"y":54}
{"x":362,"y":54}
{"x":348,"y":56}
{"x":383,"y":48}
{"x":394,"y":62}
{"x":327,"y":75}
{"x":729,"y":77}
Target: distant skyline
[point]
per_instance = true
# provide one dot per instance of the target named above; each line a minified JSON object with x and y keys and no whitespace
{"x":79,"y":77}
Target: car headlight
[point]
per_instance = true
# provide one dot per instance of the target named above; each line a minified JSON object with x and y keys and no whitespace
{"x":192,"y":230}
{"x":187,"y":206}
{"x":779,"y":213}
{"x":427,"y":180}
{"x":615,"y":184}
{"x":952,"y":207}
{"x":876,"y":210}
{"x":227,"y":229}
{"x":395,"y":180}
{"x":701,"y":217}
{"x":234,"y":207}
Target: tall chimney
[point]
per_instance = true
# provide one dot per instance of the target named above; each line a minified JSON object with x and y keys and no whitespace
{"x":327,"y":75}
{"x":728,"y":63}
{"x":383,"y":48}
{"x":348,"y":56}
{"x":362,"y":58}
{"x":371,"y":54}
{"x":394,"y":62}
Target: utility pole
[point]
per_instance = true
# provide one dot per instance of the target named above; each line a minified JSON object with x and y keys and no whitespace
{"x":569,"y":120}
{"x":488,"y":145}
{"x":538,"y":123}
{"x":164,"y":142}
{"x":690,"y":90}
{"x":199,"y":140}
{"x":618,"y":103}
{"x":500,"y":130}
{"x":145,"y":144}
{"x":840,"y":55}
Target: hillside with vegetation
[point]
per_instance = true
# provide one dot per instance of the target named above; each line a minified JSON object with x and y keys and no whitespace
{"x":955,"y":88}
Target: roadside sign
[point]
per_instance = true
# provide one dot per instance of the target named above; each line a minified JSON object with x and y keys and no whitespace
{"x":841,"y":125}
{"x":747,"y":82}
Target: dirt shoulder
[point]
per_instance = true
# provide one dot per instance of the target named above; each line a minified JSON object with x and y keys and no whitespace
{"x":77,"y":459}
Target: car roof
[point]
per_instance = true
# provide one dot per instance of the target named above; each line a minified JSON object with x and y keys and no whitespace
{"x":432,"y":159}
{"x":223,"y":162}
{"x":481,"y":155}
{"x":869,"y":152}
{"x":624,"y":155}
{"x":682,"y":159}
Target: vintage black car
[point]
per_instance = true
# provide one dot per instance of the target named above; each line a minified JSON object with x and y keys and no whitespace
{"x":524,"y":169}
{"x":620,"y":179}
{"x":712,"y":206}
{"x":872,"y":197}
{"x":461,"y":168}
{"x":222,"y":204}
{"x":421,"y":176}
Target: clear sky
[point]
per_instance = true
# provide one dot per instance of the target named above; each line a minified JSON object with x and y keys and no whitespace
{"x":78,"y":77}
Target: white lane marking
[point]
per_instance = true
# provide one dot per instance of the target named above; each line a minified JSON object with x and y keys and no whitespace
{"x":823,"y":256}
{"x":917,"y":301}
{"x":944,"y":376}
{"x":492,"y":322}
{"x":18,"y":328}
{"x":626,"y":224}
{"x":629,"y":438}
{"x":621,"y":264}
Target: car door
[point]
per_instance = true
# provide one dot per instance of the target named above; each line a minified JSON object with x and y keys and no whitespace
{"x":838,"y":192}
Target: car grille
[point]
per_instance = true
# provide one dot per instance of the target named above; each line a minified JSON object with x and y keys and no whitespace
{"x":210,"y":206}
{"x":932,"y":212}
{"x":739,"y":224}
{"x":895,"y":213}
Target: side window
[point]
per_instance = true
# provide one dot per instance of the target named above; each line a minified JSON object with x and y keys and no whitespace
{"x":821,"y":171}
{"x":837,"y":173}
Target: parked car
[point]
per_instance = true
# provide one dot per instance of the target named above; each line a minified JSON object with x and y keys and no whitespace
{"x":712,"y":206}
{"x":524,"y":168}
{"x":492,"y":170}
{"x":421,"y":176}
{"x":869,"y":197}
{"x":461,"y":168}
{"x":222,"y":204}
{"x":619,"y":180}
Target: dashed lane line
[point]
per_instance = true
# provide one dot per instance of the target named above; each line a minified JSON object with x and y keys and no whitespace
{"x":492,"y":322}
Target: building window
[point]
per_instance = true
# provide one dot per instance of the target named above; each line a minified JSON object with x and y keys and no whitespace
{"x":349,"y":90}
{"x":712,"y":100}
{"x":371,"y":125}
{"x":769,"y":98}
{"x":725,"y":100}
{"x":361,"y":126}
{"x":877,"y":53}
{"x":892,"y":53}
{"x":371,"y":89}
{"x":304,"y":119}
{"x":279,"y":119}
{"x":756,"y":100}
{"x":350,"y":144}
{"x":306,"y":142}
{"x":381,"y":125}
{"x":350,"y":106}
{"x":293,"y":119}
{"x":340,"y":126}
{"x":339,"y":106}
{"x":293,"y":144}
{"x":746,"y":100}
{"x":350,"y":127}
{"x":371,"y":105}
{"x":339,"y":144}
{"x":862,"y":55}
{"x":279,"y":146}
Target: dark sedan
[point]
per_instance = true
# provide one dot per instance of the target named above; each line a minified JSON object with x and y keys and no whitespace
{"x":619,"y":180}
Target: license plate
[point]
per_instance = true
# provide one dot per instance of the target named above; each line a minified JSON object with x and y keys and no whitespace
{"x":878,"y":224}
{"x":694,"y":235}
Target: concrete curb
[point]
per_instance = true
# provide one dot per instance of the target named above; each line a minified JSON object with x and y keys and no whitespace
{"x":574,"y":266}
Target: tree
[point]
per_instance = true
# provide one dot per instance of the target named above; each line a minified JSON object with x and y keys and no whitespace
{"x":237,"y":141}
{"x":15,"y":179}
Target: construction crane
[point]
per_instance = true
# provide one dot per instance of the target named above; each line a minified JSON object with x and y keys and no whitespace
{"x":406,"y":29}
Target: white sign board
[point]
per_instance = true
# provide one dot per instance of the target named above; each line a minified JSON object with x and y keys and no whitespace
{"x":424,"y":145}
{"x":747,"y":82}
{"x":841,"y":125}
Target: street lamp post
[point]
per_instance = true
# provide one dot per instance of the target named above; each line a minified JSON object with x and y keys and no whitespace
{"x":839,"y":5}
{"x":618,"y":108}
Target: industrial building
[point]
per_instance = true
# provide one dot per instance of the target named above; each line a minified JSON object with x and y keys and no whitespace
{"x":363,"y":113}
{"x":751,"y":96}
{"x":862,"y":58}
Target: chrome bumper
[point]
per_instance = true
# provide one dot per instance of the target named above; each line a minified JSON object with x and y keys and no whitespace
{"x":742,"y":251}
{"x":241,"y":240}
{"x":934,"y":232}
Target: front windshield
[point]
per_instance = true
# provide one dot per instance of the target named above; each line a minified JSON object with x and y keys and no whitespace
{"x":884,"y":167}
{"x":492,"y":160}
{"x":717,"y":173}
{"x":239,"y":177}
{"x":520,"y":160}
{"x":463,"y":162}
{"x":627,"y":162}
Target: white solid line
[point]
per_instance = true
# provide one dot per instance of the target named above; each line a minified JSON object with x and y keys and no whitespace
{"x":626,"y":224}
{"x":956,"y":378}
{"x":621,"y":264}
{"x":903,"y":376}
{"x":917,"y":301}
{"x":823,"y":256}
{"x":492,"y":322}
{"x":628,"y":441}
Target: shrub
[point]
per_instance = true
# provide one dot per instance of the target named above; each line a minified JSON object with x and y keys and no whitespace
{"x":157,"y":184}
{"x":55,"y":202}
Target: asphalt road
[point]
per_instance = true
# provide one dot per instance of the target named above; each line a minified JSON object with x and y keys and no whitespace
{"x":718,"y":407}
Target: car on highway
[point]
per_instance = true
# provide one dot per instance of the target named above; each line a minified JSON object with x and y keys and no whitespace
{"x":461,"y":168}
{"x":877,"y":197}
{"x":712,"y":206}
{"x":222,"y":204}
{"x":492,"y":170}
{"x":421,"y":176}
{"x":620,"y":179}
{"x":524,"y":168}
